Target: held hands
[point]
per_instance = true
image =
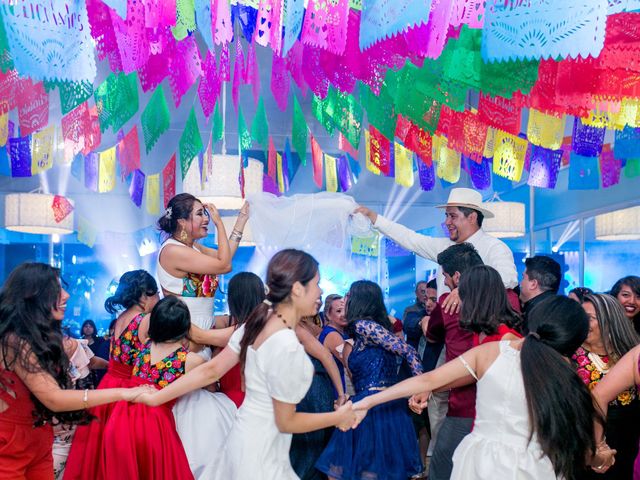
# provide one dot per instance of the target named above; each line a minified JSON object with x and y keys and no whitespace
{"x":342,"y":399}
{"x":147,"y":398}
{"x":418,"y":402}
{"x":451,"y":304}
{"x":133,"y":394}
{"x":603,"y":459}
{"x":346,"y":417}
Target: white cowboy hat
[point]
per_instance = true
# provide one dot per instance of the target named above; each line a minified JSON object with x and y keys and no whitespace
{"x":467,"y":197}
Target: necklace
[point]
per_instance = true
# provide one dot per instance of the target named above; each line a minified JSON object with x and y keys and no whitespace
{"x":279,"y":315}
{"x":601,"y":365}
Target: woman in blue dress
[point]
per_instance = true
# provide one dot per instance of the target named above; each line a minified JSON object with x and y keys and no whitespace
{"x":334,"y":335}
{"x":384,"y":446}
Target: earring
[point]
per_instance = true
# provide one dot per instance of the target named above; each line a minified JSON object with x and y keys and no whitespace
{"x":183,"y":237}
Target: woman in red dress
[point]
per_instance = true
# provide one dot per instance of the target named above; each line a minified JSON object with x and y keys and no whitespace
{"x":141,"y":442}
{"x":34,"y":373}
{"x":137,"y":294}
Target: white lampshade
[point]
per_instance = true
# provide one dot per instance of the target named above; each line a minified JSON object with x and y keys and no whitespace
{"x":247,"y":235}
{"x":619,"y":225}
{"x":32,"y":213}
{"x":223,"y":188}
{"x":508,"y":221}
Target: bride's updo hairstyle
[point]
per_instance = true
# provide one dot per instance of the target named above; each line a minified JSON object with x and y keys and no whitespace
{"x":179,"y":207}
{"x":285,"y":268}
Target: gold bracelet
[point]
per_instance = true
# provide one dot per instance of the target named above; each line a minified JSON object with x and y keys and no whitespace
{"x":85,"y":398}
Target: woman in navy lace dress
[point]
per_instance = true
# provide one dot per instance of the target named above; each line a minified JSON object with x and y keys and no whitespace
{"x":384,"y":446}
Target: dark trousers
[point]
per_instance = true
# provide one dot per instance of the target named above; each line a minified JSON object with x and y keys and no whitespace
{"x":453,"y":430}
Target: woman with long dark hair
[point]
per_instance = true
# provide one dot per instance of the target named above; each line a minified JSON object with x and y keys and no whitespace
{"x":611,"y":336}
{"x":277,"y":374}
{"x":366,"y":451}
{"x":627,"y":292}
{"x":134,"y":298}
{"x":34,"y":382}
{"x":142,"y":442}
{"x":334,"y":335}
{"x":534,"y":416}
{"x":485,"y":308}
{"x":189,"y":270}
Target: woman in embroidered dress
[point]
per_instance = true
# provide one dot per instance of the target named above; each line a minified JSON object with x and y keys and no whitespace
{"x":277,"y":374}
{"x":189,"y":270}
{"x":519,"y":432}
{"x":610,"y":337}
{"x":141,"y":442}
{"x":384,"y":446}
{"x":34,"y":381}
{"x":136,"y":295}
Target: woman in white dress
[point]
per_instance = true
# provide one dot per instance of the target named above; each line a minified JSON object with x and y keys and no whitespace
{"x":534,"y":416}
{"x":277,"y":374}
{"x":189,"y":270}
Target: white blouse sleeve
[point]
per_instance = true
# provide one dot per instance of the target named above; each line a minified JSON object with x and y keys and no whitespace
{"x":234,"y":341}
{"x":288,"y":369}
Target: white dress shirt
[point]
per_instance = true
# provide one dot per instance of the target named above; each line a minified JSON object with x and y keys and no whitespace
{"x":493,"y":251}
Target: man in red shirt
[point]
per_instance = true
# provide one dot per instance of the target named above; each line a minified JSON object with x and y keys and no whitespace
{"x":445,"y":327}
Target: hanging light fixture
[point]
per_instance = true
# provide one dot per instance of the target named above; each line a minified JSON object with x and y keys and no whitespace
{"x":247,"y":234}
{"x":619,"y":225}
{"x":33,"y":213}
{"x":508,"y":220}
{"x":223,"y":186}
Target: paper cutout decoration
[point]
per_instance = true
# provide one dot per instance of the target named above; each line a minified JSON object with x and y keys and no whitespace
{"x":367,"y":154}
{"x":544,"y":166}
{"x":316,"y":160}
{"x":540,"y":29}
{"x":632,"y":168}
{"x":272,"y":160}
{"x":107,"y":170}
{"x":280,"y":174}
{"x":509,"y":156}
{"x":152,"y":194}
{"x":185,"y":19}
{"x":185,"y":68}
{"x":61,"y":208}
{"x":421,"y":143}
{"x":20,"y":156}
{"x":480,"y":173}
{"x":42,"y":150}
{"x":448,"y":168}
{"x":69,"y":57}
{"x":299,"y":131}
{"x":294,"y":14}
{"x":76,"y":127}
{"x":627,"y":143}
{"x":190,"y":143}
{"x":169,"y":180}
{"x":325,"y":25}
{"x":209,"y":87}
{"x":384,"y":18}
{"x":587,"y":140}
{"x":545,"y":130}
{"x":203,"y":22}
{"x":259,"y":126}
{"x":136,"y":188}
{"x":91,"y":163}
{"x":33,"y":107}
{"x":244,"y":137}
{"x":129,"y":153}
{"x":4,"y":128}
{"x":403,"y":165}
{"x":344,"y":173}
{"x":583,"y":172}
{"x":280,"y":82}
{"x":86,"y":233}
{"x":610,"y":169}
{"x":380,"y":150}
{"x":331,"y":173}
{"x":155,"y":119}
{"x":366,"y":246}
{"x":427,"y":176}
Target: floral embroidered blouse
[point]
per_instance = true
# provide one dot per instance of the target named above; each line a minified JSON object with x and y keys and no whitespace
{"x":199,"y":285}
{"x":161,"y":373}
{"x":126,"y":347}
{"x":592,"y":368}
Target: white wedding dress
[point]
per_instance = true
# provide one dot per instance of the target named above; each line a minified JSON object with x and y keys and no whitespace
{"x":498,"y":448}
{"x":255,"y":449}
{"x":203,"y":419}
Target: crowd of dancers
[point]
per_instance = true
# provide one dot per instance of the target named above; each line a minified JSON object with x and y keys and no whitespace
{"x":508,"y":379}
